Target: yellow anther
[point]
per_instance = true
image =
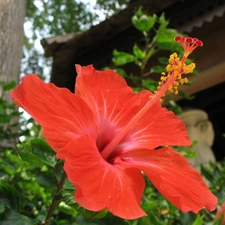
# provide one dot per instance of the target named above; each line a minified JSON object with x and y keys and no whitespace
{"x":185,"y":80}
{"x":189,"y":68}
{"x":168,"y":68}
{"x":181,"y":81}
{"x":162,"y":78}
{"x":175,"y":69}
{"x":170,"y":89}
{"x":173,"y":58}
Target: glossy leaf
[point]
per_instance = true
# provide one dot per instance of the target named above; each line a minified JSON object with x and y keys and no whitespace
{"x":142,"y":21}
{"x":121,"y":58}
{"x":46,"y":180}
{"x":121,"y":72}
{"x":198,"y":221}
{"x":138,"y":52}
{"x":9,"y":196}
{"x":38,"y":151}
{"x":11,"y":217}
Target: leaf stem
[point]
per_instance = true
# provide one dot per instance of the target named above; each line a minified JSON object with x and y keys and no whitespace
{"x":55,"y":200}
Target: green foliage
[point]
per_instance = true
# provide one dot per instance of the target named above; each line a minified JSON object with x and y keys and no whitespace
{"x":56,"y":17}
{"x":8,"y":86}
{"x":143,"y":22}
{"x":157,"y":38}
{"x":198,"y":221}
{"x":121,"y":58}
{"x":163,"y":39}
{"x":9,"y":197}
{"x":37,"y":151}
{"x":59,"y":17}
{"x":11,"y":217}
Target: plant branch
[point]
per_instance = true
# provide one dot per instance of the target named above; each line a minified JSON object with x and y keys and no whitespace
{"x":55,"y":200}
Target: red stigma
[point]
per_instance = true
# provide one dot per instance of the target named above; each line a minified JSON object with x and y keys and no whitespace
{"x":188,"y":43}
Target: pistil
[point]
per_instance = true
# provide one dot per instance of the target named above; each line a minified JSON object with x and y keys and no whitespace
{"x":168,"y":83}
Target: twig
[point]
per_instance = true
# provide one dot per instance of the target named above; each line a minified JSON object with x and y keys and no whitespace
{"x":55,"y":200}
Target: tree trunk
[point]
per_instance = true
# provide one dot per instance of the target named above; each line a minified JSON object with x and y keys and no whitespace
{"x":12,"y":14}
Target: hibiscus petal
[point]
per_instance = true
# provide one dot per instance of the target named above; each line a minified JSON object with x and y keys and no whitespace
{"x":157,"y":127}
{"x":174,"y":178}
{"x":63,"y":115}
{"x":115,"y":104}
{"x":109,"y":96}
{"x":102,"y":185}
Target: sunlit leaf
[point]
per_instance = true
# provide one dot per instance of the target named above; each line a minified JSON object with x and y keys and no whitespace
{"x":10,"y":85}
{"x":121,"y":58}
{"x":198,"y":221}
{"x":38,"y":151}
{"x":121,"y":72}
{"x":142,"y":21}
{"x":138,"y":52}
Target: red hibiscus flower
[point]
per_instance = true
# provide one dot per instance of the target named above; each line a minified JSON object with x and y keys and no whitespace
{"x":108,"y":135}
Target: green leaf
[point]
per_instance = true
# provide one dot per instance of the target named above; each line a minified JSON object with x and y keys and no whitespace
{"x":153,"y":219}
{"x":9,"y":196}
{"x":142,"y":21}
{"x":138,"y":52}
{"x":68,"y":198}
{"x":82,"y":221}
{"x":207,"y":173}
{"x":111,"y":219}
{"x":150,"y":84}
{"x":38,"y":151}
{"x":90,"y":215}
{"x":121,"y":58}
{"x":173,"y":106}
{"x":121,"y":72}
{"x":198,"y":221}
{"x":2,"y":207}
{"x":46,"y":180}
{"x":167,"y":36}
{"x":13,"y":218}
{"x":163,"y":23}
{"x":10,"y":85}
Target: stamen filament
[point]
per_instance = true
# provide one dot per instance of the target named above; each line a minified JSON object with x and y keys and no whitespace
{"x":154,"y":98}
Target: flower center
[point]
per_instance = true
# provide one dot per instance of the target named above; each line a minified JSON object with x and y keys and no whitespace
{"x":169,"y":83}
